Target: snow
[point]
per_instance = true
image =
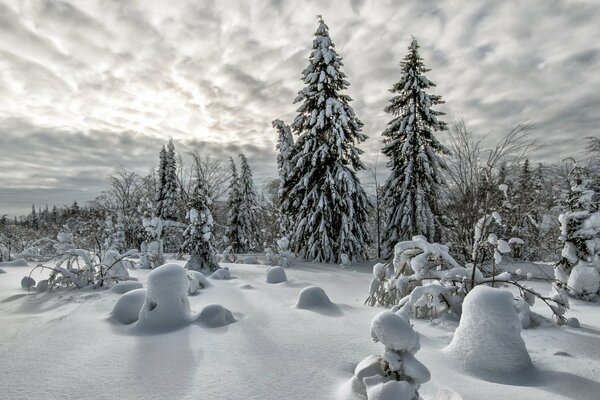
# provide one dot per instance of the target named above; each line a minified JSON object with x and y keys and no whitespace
{"x":487,"y":341}
{"x":27,"y":283}
{"x":220,"y":274}
{"x":64,"y":337}
{"x":2,"y":271}
{"x":127,"y":308}
{"x":19,"y":262}
{"x":197,"y":281}
{"x":276,"y":275}
{"x":124,"y":287}
{"x":394,"y":332}
{"x":167,"y":305}
{"x":312,"y":297}
{"x":584,"y":280}
{"x":214,"y":316}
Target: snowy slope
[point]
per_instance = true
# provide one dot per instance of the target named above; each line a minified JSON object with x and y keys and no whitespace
{"x":63,"y":345}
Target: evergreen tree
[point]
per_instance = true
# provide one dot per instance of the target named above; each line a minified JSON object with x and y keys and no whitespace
{"x":170,"y":189}
{"x":161,"y":180}
{"x":248,"y":218}
{"x":329,"y":207}
{"x":198,"y":237}
{"x":75,"y":208}
{"x":233,"y":214}
{"x":54,"y":214}
{"x":33,"y":218}
{"x":285,"y":147}
{"x":413,"y":189}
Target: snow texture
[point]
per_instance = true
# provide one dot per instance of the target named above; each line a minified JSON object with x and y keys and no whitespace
{"x":127,"y":309}
{"x":166,"y":305}
{"x":276,"y":275}
{"x":488,"y":339}
{"x":19,"y":262}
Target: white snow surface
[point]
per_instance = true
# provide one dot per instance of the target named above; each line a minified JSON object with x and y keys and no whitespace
{"x":394,"y":332}
{"x":65,"y":337}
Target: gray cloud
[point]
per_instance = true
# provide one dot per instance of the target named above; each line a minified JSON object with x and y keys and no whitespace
{"x":86,"y":88}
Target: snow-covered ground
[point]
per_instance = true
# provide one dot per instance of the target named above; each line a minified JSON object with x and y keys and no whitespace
{"x":63,"y":345}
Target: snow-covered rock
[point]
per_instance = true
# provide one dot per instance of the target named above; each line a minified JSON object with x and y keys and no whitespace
{"x":221,"y":274}
{"x":127,"y":308}
{"x":27,"y":283}
{"x":276,"y":275}
{"x":214,"y":316}
{"x":312,"y":297}
{"x":126,"y":286}
{"x":488,"y":338}
{"x":166,"y":305}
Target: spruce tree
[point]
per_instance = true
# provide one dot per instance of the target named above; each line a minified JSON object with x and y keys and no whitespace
{"x":285,"y":148}
{"x":198,"y":237}
{"x":248,"y":218}
{"x":233,"y":214}
{"x":412,"y":192}
{"x":329,"y":207}
{"x":170,"y":189}
{"x":161,"y":180}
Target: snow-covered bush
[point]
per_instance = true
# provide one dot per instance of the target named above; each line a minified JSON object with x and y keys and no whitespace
{"x":488,"y":338}
{"x":395,"y":374}
{"x":197,"y":281}
{"x":229,"y":256}
{"x":166,"y":305}
{"x":152,"y":245}
{"x":344,"y":261}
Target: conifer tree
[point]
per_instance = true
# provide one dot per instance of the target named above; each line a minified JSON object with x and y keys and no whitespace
{"x":161,"y":180}
{"x":233,"y":214}
{"x":412,"y":191}
{"x":198,"y":237}
{"x":285,"y":147}
{"x":248,"y":219}
{"x":329,"y":207}
{"x":170,"y":189}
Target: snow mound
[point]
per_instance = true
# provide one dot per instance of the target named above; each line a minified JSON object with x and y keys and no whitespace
{"x":276,"y":275}
{"x":27,"y":283}
{"x":312,"y":297}
{"x":42,"y":286}
{"x":19,"y":262}
{"x":250,"y":260}
{"x":2,"y":271}
{"x":394,"y":332}
{"x":246,"y":286}
{"x":127,"y":308}
{"x":214,"y":316}
{"x":126,"y":286}
{"x":488,"y":338}
{"x":197,"y":281}
{"x":379,"y":389}
{"x":221,"y":274}
{"x":167,"y":305}
{"x":584,"y":281}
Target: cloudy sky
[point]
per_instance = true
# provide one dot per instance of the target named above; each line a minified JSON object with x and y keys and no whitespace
{"x":86,"y":86}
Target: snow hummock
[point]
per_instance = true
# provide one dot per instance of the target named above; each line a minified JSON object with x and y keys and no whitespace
{"x":167,"y":305}
{"x":276,"y":275}
{"x":197,"y":281}
{"x":19,"y":262}
{"x":214,"y":316}
{"x":27,"y":283}
{"x":488,"y":339}
{"x":221,"y":274}
{"x":2,"y":271}
{"x":42,"y":286}
{"x":312,"y":297}
{"x":124,"y":287}
{"x":127,"y":308}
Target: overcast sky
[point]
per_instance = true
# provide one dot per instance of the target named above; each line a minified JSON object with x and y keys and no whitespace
{"x":86,"y":86}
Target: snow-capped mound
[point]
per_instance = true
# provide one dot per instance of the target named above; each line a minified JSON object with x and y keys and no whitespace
{"x":379,"y":389}
{"x":214,"y":316}
{"x":19,"y":262}
{"x":167,"y":305}
{"x":221,"y":274}
{"x":127,"y":308}
{"x":2,"y":271}
{"x":42,"y":286}
{"x":312,"y":297}
{"x":276,"y":275}
{"x":251,"y":260}
{"x":488,"y":338}
{"x":126,"y":286}
{"x":197,"y":281}
{"x":27,"y":283}
{"x":584,"y":281}
{"x":394,"y":332}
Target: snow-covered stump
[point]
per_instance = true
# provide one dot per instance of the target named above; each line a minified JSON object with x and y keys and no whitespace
{"x":166,"y":305}
{"x":276,"y":275}
{"x":395,"y":374}
{"x":488,"y":339}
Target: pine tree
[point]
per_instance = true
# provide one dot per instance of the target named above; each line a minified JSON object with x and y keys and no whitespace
{"x":248,"y":219}
{"x":170,"y":189}
{"x":285,"y":146}
{"x":33,"y":218}
{"x":161,"y":180}
{"x":198,"y":237}
{"x":329,"y":207}
{"x":413,"y":190}
{"x":233,"y":214}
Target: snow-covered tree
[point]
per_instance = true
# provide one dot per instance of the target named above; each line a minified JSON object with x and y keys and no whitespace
{"x":323,"y":194}
{"x":168,"y":188}
{"x":285,"y":146}
{"x":412,"y":192}
{"x":198,"y":238}
{"x":233,"y":214}
{"x":34,"y":221}
{"x":248,"y":219}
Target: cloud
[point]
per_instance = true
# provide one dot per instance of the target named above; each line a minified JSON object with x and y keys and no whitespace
{"x":85,"y":87}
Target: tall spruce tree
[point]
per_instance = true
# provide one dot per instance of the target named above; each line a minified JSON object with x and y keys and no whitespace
{"x":412,"y":192}
{"x":161,"y":180}
{"x":248,"y":219}
{"x":198,"y":237}
{"x":285,"y":148}
{"x":329,"y":207}
{"x":170,"y":189}
{"x":233,"y":214}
